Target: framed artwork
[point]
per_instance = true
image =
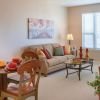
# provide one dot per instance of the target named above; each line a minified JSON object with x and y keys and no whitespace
{"x":40,"y":28}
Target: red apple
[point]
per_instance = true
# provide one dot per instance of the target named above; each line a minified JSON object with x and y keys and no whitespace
{"x":16,"y":60}
{"x":12,"y":65}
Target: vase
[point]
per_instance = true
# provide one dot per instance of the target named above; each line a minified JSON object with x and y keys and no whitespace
{"x":98,"y":96}
{"x":80,"y":53}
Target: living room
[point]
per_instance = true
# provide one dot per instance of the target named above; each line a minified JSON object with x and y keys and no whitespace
{"x":67,"y":17}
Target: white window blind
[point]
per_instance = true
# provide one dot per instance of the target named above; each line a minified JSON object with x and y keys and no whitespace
{"x":97,"y":29}
{"x":91,"y":30}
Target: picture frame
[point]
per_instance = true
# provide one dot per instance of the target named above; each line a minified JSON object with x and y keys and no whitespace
{"x":40,"y":28}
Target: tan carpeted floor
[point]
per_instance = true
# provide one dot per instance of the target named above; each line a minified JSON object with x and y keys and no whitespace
{"x":57,"y":87}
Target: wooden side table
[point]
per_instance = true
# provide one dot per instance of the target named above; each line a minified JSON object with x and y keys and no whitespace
{"x":3,"y":81}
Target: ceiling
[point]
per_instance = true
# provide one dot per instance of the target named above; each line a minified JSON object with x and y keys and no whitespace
{"x":69,"y":3}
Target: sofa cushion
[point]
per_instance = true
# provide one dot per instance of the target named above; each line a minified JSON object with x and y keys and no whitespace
{"x":61,"y":58}
{"x":56,"y":60}
{"x":69,"y":57}
{"x":28,"y":49}
{"x":55,"y":45}
{"x":33,"y":47}
{"x":58,"y":51}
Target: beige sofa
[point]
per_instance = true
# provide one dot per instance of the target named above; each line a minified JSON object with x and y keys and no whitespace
{"x":53,"y":64}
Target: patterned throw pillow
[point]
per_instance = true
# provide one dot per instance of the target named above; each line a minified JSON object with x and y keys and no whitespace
{"x":59,"y":51}
{"x":47,"y":54}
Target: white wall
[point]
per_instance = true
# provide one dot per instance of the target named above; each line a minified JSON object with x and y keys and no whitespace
{"x":75,"y":25}
{"x":13,"y":24}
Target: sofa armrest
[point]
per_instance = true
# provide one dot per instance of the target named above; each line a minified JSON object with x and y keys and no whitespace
{"x":45,"y":67}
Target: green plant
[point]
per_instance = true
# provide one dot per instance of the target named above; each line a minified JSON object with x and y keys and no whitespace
{"x":95,"y":84}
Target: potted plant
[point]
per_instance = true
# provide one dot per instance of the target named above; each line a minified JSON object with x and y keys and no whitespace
{"x":96,"y":84}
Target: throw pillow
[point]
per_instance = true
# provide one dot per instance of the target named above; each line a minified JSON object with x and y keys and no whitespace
{"x":47,"y":54}
{"x":65,"y":50}
{"x":40,"y":53}
{"x":58,"y":51}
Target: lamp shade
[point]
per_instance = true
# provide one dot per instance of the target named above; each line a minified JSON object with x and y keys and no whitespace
{"x":69,"y":37}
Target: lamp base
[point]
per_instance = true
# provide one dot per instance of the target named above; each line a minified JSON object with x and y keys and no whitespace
{"x":69,"y":49}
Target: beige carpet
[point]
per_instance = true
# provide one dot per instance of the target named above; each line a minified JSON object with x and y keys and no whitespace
{"x":57,"y":87}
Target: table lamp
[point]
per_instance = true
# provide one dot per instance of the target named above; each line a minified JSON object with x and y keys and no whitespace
{"x":69,"y":38}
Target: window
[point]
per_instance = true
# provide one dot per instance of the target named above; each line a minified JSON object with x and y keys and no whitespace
{"x":91,"y":30}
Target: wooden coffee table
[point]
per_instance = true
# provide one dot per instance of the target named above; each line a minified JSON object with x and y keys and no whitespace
{"x":83,"y":64}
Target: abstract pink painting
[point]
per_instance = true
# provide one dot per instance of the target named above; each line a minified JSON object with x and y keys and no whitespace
{"x":40,"y":28}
